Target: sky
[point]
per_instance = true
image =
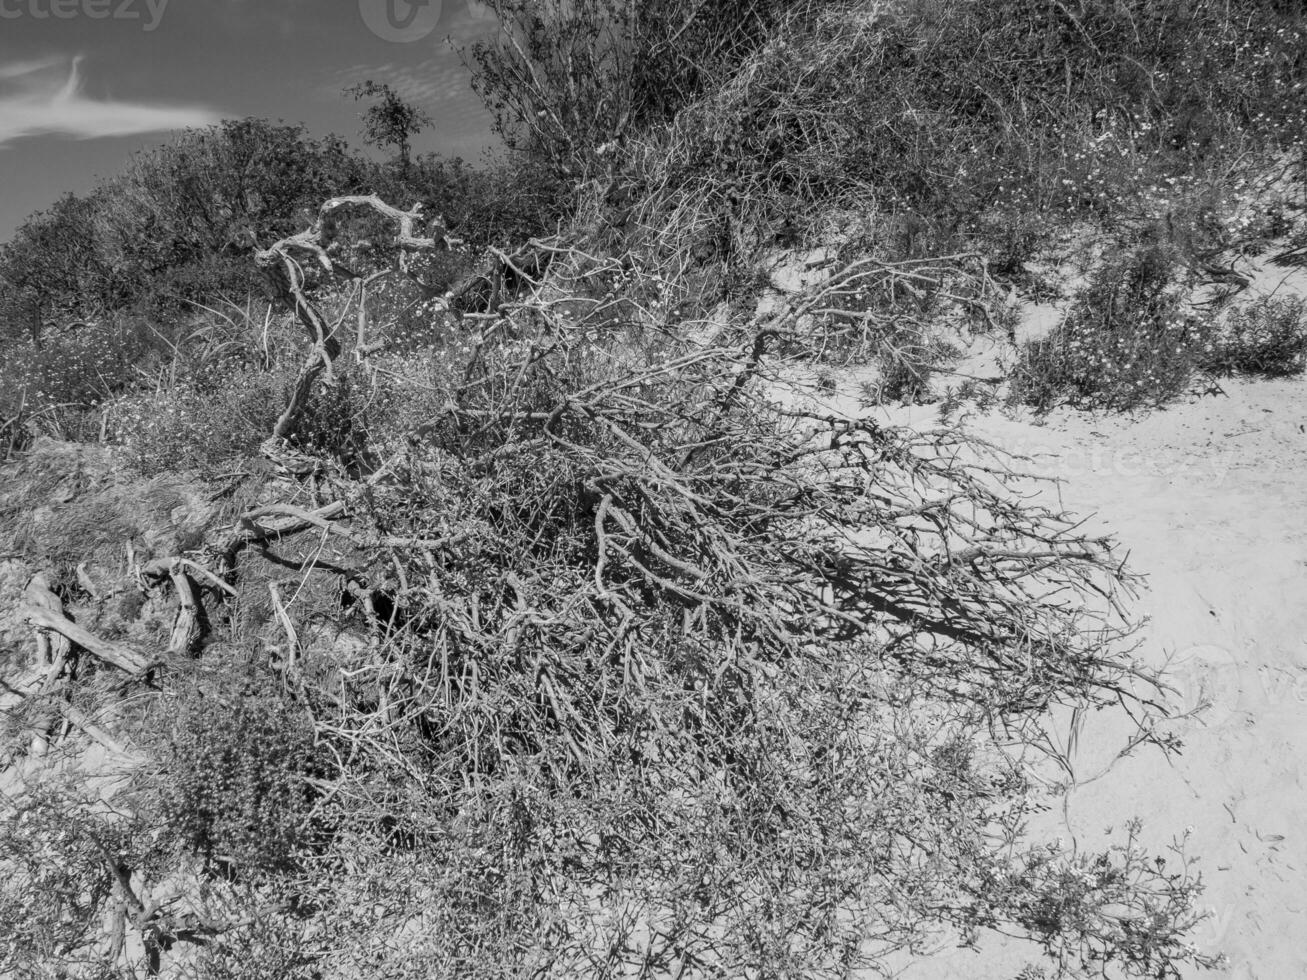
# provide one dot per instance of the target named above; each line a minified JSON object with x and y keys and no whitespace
{"x":84,"y":84}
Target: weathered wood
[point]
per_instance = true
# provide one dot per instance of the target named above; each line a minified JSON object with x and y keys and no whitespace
{"x":122,"y":657}
{"x":287,"y":276}
{"x":186,"y":627}
{"x":321,"y":519}
{"x":52,"y":653}
{"x":97,"y":733}
{"x":39,"y":595}
{"x":186,"y":622}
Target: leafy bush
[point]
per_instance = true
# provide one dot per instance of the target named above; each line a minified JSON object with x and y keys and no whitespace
{"x":193,"y":209}
{"x":56,"y":883}
{"x":52,"y":267}
{"x":1129,"y":339}
{"x":177,"y":225}
{"x":1126,"y":341}
{"x":504,"y":202}
{"x":1267,"y":336}
{"x":1098,"y":896}
{"x":232,"y":781}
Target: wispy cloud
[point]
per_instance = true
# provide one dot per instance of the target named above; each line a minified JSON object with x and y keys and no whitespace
{"x":42,"y":103}
{"x":17,"y":69}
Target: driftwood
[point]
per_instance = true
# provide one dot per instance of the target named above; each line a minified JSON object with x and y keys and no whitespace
{"x":303,"y":519}
{"x":186,"y":624}
{"x":56,"y":638}
{"x":50,"y":647}
{"x":483,"y":291}
{"x":53,"y":651}
{"x":115,"y":654}
{"x":282,"y":260}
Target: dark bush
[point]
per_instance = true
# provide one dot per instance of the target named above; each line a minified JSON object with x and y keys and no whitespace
{"x":233,"y":785}
{"x":178,"y":225}
{"x":970,"y":120}
{"x":1268,"y":336}
{"x":1127,"y":340}
{"x":564,"y":80}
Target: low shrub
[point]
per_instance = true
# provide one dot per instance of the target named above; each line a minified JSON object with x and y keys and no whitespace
{"x":1267,"y":336}
{"x":1130,"y":340}
{"x":57,"y":881}
{"x":1127,"y":340}
{"x":907,"y":360}
{"x":189,"y":426}
{"x":232,"y":779}
{"x":78,"y":367}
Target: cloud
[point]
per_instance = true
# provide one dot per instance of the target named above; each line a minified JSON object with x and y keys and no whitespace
{"x":17,"y":69}
{"x":42,"y":105}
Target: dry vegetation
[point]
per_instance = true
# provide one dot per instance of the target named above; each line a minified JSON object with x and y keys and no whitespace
{"x":629,"y":669}
{"x":529,"y":618}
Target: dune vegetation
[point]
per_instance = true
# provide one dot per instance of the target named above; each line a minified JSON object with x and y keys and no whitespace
{"x":421,"y":570}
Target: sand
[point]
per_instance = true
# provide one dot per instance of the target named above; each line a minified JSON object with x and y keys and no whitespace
{"x":1209,"y":498}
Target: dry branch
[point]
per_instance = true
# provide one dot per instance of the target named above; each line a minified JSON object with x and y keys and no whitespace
{"x":53,"y":653}
{"x":39,"y":596}
{"x":115,"y":654}
{"x":282,"y":260}
{"x":98,"y":733}
{"x":322,"y":519}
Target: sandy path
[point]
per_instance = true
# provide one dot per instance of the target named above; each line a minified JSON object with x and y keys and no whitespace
{"x":1210,"y":499}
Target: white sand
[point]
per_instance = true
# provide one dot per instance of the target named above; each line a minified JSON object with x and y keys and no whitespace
{"x":1209,"y":498}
